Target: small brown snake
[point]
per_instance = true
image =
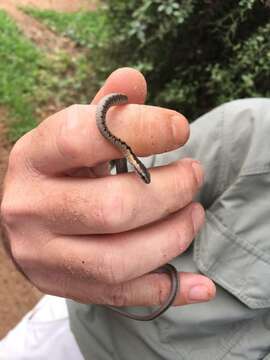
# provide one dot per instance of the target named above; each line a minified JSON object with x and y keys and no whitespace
{"x":121,"y":167}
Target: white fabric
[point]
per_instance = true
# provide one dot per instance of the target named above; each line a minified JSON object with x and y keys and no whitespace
{"x":42,"y":334}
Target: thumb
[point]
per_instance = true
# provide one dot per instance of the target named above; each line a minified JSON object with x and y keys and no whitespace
{"x":127,"y":81}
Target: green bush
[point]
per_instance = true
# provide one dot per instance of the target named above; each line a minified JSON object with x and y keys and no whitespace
{"x":194,"y":54}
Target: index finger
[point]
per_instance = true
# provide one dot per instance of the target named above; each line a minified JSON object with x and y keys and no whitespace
{"x":70,"y":139}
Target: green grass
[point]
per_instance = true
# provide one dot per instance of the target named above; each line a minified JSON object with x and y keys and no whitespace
{"x":32,"y":82}
{"x":83,"y":27}
{"x":19,"y":66}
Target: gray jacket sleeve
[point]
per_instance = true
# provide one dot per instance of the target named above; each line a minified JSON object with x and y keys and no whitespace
{"x":233,"y":144}
{"x":233,"y":248}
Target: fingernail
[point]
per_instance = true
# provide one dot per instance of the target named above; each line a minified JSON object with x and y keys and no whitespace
{"x":197,"y":215}
{"x":198,"y":172}
{"x":199,"y":293}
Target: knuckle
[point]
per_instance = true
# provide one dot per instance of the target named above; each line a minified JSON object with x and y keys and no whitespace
{"x":117,"y":295}
{"x":185,"y":181}
{"x":179,"y":241}
{"x":68,"y":144}
{"x":22,"y":247}
{"x":14,"y":215}
{"x":160,"y":290}
{"x":183,"y":234}
{"x":16,"y":210}
{"x":7,"y":213}
{"x":11,"y":212}
{"x":113,"y":211}
{"x":17,"y":153}
{"x":109,"y":270}
{"x":74,"y":133}
{"x":20,"y":159}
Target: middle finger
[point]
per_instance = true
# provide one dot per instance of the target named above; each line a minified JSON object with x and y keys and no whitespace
{"x":119,"y":203}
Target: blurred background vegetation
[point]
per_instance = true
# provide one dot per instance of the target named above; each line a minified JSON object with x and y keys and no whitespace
{"x":194,"y":54}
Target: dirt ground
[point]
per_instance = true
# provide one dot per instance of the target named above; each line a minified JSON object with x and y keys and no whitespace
{"x":36,"y":31}
{"x":58,"y":5}
{"x":17,"y":295}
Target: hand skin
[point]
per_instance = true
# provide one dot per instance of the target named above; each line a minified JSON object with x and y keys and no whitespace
{"x":77,"y":232}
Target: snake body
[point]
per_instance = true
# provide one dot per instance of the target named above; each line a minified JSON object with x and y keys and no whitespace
{"x":102,"y":108}
{"x":121,"y":167}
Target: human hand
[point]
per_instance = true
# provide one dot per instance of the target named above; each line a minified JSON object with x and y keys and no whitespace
{"x":77,"y":232}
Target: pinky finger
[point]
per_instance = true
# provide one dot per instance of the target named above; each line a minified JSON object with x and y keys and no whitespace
{"x":153,"y":290}
{"x":148,"y":290}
